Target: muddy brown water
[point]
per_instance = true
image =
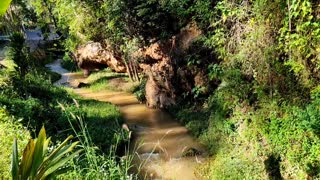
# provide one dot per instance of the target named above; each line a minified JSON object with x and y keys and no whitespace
{"x":163,"y":148}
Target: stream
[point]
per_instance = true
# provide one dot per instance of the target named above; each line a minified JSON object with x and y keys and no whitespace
{"x":163,"y":148}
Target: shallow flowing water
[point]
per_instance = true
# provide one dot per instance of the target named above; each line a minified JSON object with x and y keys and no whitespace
{"x":163,"y":148}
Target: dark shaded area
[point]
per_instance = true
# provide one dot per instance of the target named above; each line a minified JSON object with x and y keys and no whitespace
{"x":272,"y":165}
{"x":312,"y":170}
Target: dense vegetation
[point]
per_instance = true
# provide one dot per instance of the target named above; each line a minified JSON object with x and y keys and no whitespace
{"x":260,"y":116}
{"x":28,"y":101}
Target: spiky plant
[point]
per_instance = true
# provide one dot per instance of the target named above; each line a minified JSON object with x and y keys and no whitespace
{"x":36,"y":163}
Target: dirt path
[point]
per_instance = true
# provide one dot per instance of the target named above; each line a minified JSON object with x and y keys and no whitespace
{"x":163,"y":148}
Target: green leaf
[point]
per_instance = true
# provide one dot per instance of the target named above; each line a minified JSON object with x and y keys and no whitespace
{"x":45,"y":146}
{"x":38,"y":151}
{"x":34,"y":164}
{"x":14,"y":160}
{"x":60,"y":163}
{"x":55,"y":156}
{"x":56,"y":151}
{"x":26,"y":162}
{"x":4,"y":4}
{"x":59,"y":171}
{"x":63,"y":151}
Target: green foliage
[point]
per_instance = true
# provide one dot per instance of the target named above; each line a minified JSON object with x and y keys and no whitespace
{"x":19,"y":53}
{"x":10,"y":129}
{"x":295,"y":136}
{"x":4,"y":6}
{"x":36,"y":163}
{"x":34,"y":101}
{"x":100,"y":165}
{"x":233,"y":164}
{"x":215,"y":71}
{"x":68,"y":63}
{"x":262,"y":58}
{"x":299,"y":39}
{"x":140,"y":90}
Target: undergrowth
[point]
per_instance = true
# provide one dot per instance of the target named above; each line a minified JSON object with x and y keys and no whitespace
{"x":10,"y":128}
{"x":28,"y":96}
{"x":94,"y":164}
{"x":69,"y":64}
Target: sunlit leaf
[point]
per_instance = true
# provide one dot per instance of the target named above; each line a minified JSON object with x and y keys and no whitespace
{"x":4,"y":4}
{"x":14,"y":160}
{"x":26,"y":162}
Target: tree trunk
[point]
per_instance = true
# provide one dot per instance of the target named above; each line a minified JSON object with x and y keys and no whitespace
{"x":128,"y":70}
{"x":136,"y":71}
{"x":51,"y":15}
{"x":132,"y":71}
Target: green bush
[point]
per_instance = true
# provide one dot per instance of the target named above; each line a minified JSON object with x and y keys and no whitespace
{"x":295,"y":136}
{"x":18,"y":52}
{"x":69,"y":64}
{"x":140,"y":90}
{"x":37,"y":163}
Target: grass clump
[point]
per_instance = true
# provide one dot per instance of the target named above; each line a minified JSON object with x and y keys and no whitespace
{"x":105,"y":164}
{"x":10,"y":129}
{"x":103,"y":121}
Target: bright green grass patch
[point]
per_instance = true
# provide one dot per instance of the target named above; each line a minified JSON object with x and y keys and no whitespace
{"x":4,"y":4}
{"x":235,"y":164}
{"x":97,"y":125}
{"x":10,"y":129}
{"x":102,"y":75}
{"x":106,"y":79}
{"x":102,"y":165}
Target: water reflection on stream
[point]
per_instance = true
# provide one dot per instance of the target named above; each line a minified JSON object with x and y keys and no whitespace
{"x":160,"y":142}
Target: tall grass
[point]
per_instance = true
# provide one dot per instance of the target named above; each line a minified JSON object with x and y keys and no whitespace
{"x":94,"y":164}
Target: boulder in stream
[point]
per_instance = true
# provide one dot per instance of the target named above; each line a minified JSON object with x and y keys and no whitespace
{"x":93,"y":56}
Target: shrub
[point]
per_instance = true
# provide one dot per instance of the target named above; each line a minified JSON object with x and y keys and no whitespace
{"x":36,"y":163}
{"x":295,"y":136}
{"x":68,"y":63}
{"x":140,"y":90}
{"x":19,"y":54}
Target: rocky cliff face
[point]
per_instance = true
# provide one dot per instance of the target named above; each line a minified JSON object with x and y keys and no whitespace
{"x":159,"y":66}
{"x":91,"y":56}
{"x":159,"y":63}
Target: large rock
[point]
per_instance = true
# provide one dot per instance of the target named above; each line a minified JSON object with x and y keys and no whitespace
{"x":159,"y":69}
{"x":159,"y":66}
{"x":91,"y":56}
